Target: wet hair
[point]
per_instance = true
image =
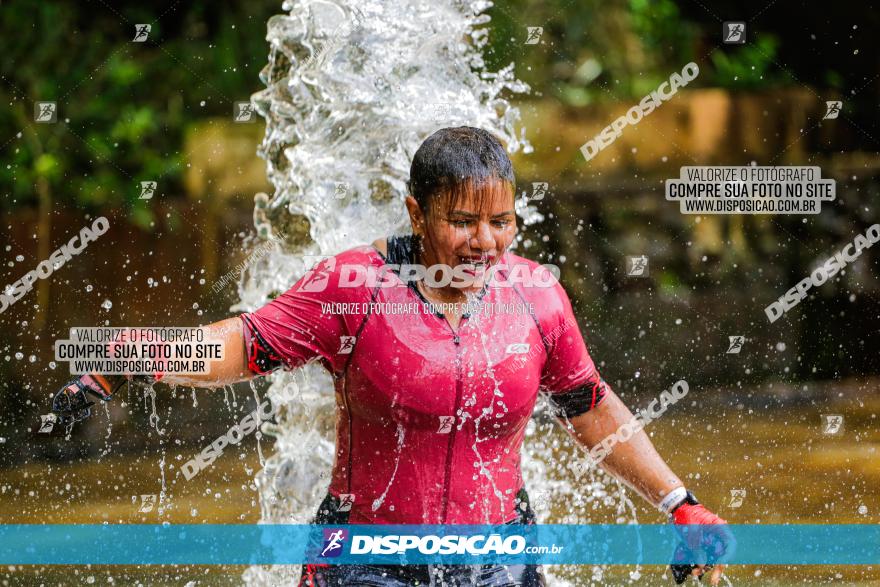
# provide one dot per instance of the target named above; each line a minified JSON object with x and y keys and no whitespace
{"x":457,"y":164}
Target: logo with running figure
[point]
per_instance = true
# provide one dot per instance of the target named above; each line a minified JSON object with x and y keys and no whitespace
{"x":148,"y":501}
{"x":637,"y":266}
{"x":737,"y":496}
{"x":736,"y":344}
{"x":333,"y":542}
{"x":346,"y":500}
{"x":832,"y":424}
{"x":243,"y":112}
{"x":45,"y":112}
{"x":446,"y":423}
{"x":316,"y":279}
{"x":141,"y":32}
{"x":832,"y":109}
{"x":341,"y":190}
{"x":148,"y":188}
{"x":346,"y":345}
{"x":533,"y":35}
{"x":539,"y":190}
{"x":734,"y":33}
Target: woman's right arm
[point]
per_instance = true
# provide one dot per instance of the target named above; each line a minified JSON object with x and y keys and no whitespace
{"x":72,"y":404}
{"x":233,"y":368}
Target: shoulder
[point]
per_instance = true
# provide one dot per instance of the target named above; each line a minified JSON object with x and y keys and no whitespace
{"x":360,"y":255}
{"x":381,"y":245}
{"x":539,"y":284}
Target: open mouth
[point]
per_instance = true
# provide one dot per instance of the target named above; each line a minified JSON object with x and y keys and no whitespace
{"x":475,"y":265}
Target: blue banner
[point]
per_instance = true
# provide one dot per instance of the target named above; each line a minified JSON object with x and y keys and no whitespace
{"x":240,"y":544}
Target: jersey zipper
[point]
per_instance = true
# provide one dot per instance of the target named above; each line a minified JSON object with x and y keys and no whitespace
{"x":459,"y":385}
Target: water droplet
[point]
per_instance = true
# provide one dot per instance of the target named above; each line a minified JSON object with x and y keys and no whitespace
{"x":107,"y":304}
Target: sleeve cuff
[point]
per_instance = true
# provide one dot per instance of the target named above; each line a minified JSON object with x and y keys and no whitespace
{"x":262,"y":358}
{"x":579,"y":400}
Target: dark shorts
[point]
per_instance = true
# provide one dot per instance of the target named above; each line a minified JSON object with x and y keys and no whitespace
{"x":409,"y":575}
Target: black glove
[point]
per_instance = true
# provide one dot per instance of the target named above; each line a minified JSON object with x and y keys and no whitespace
{"x":704,"y":537}
{"x":75,"y":400}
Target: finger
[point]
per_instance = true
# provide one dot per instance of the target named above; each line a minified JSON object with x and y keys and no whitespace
{"x":716,"y":575}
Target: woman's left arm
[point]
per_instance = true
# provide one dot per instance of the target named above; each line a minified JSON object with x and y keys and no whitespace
{"x":634,"y":462}
{"x":637,"y":464}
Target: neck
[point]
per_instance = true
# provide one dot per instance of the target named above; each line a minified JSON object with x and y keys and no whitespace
{"x":443,"y":294}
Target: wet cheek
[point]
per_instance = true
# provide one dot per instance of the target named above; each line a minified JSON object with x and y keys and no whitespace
{"x":504,"y":240}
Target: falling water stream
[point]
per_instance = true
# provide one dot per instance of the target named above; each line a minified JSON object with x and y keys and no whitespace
{"x":352,"y":88}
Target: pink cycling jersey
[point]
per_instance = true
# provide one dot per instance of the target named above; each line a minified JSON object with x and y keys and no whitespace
{"x":430,"y":421}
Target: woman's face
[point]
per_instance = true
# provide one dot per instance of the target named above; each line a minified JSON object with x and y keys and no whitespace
{"x":471,"y":236}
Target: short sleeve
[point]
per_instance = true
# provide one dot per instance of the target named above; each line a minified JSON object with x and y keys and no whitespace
{"x":569,"y":375}
{"x":297,"y":327}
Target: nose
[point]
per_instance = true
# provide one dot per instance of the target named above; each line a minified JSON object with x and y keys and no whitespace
{"x":482,"y":239}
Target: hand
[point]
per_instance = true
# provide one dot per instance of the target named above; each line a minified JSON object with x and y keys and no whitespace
{"x":74,"y":402}
{"x":702,"y":548}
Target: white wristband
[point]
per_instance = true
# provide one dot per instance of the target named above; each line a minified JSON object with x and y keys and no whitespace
{"x":672,"y":499}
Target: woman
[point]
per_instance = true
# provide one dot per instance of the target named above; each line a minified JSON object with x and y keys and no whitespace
{"x":436,"y":380}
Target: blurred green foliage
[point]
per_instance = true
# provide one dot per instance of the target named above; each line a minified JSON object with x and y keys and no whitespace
{"x":123,"y":106}
{"x":608,"y":50}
